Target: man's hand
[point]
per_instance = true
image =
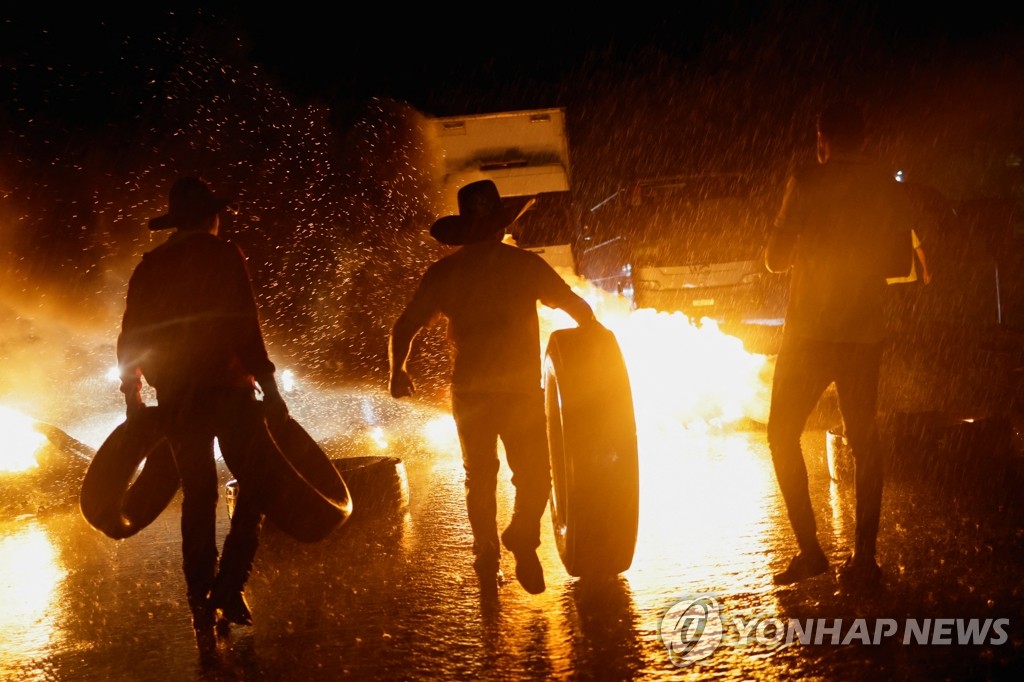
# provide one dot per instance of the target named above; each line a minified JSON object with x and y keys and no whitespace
{"x":592,"y":323}
{"x":133,"y":402}
{"x":275,"y":409}
{"x":401,"y":384}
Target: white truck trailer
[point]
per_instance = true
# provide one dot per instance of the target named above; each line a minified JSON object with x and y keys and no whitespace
{"x":525,"y":153}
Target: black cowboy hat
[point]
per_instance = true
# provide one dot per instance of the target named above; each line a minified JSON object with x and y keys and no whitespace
{"x":189,"y":200}
{"x":482,"y":212}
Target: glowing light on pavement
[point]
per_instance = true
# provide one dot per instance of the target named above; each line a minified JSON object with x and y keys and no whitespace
{"x":31,"y":574}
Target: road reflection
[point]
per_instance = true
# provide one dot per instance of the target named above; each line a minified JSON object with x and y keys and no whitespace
{"x":32,"y":577}
{"x":394,"y":596}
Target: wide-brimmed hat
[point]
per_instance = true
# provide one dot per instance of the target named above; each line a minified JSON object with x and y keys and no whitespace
{"x":189,"y":201}
{"x":482,"y":212}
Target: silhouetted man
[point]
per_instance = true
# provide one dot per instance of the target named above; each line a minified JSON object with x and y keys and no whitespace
{"x":843,"y":228}
{"x":191,"y":329}
{"x":488,"y":291}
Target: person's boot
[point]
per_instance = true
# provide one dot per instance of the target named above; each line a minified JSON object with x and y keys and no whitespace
{"x":806,"y":564}
{"x":860,"y":572}
{"x":487,"y":566}
{"x":231,"y":603}
{"x":529,"y":572}
{"x":203,"y":623}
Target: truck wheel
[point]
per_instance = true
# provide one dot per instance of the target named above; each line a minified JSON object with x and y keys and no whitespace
{"x":592,"y":438}
{"x":117,"y":498}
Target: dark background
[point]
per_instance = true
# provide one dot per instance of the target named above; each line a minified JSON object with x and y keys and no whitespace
{"x":684,"y":86}
{"x":311,"y":117}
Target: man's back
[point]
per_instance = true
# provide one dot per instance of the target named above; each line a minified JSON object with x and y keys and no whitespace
{"x":489,"y":293}
{"x":849,"y":214}
{"x":190,"y":316}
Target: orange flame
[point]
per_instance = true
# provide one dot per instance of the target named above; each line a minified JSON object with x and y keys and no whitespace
{"x":683,"y":375}
{"x":22,"y":441}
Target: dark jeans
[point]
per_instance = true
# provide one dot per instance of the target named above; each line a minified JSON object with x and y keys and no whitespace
{"x":519,"y":420}
{"x":235,"y":418}
{"x":802,"y":373}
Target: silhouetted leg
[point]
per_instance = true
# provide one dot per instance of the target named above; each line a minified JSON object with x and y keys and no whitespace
{"x":857,"y":387}
{"x":240,"y":547}
{"x":800,"y":379}
{"x":245,"y":443}
{"x":187,"y":423}
{"x":524,"y":433}
{"x":193,"y":452}
{"x":478,"y":436}
{"x":525,"y":437}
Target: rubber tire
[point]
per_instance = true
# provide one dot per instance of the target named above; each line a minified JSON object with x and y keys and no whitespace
{"x":311,"y":498}
{"x":379,"y":485}
{"x":593,"y":447}
{"x":113,"y":499}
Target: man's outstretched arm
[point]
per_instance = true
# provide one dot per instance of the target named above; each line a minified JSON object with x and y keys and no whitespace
{"x":399,"y":345}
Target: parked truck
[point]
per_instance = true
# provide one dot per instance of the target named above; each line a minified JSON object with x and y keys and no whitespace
{"x":525,"y":153}
{"x":690,"y":243}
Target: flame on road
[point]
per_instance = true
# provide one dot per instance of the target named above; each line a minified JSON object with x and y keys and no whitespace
{"x":683,"y":375}
{"x":685,"y":378}
{"x":21,"y":441}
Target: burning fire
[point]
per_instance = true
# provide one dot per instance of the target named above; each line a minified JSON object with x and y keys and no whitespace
{"x":688,"y":381}
{"x":685,"y":378}
{"x":22,"y":441}
{"x":682,"y":375}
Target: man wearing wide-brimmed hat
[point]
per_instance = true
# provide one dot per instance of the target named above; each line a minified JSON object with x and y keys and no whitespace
{"x":488,"y":291}
{"x":192,"y":331}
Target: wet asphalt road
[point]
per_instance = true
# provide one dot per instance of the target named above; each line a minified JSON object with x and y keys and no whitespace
{"x":392,"y":596}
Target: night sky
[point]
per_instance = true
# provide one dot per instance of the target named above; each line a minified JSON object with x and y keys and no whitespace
{"x":449,"y":59}
{"x":304,"y":116}
{"x":680,"y":88}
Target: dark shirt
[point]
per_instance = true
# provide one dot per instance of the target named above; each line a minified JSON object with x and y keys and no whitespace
{"x":190,"y":318}
{"x":844,"y":219}
{"x":489,"y":292}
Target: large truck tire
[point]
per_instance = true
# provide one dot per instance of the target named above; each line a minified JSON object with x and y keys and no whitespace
{"x":119,"y":499}
{"x":310,"y":497}
{"x":592,"y":438}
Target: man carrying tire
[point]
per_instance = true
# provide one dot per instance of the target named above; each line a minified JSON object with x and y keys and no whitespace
{"x":488,"y":292}
{"x":191,"y":329}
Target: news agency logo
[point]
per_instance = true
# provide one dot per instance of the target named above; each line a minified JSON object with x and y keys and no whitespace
{"x":691,"y":629}
{"x":694,"y":627}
